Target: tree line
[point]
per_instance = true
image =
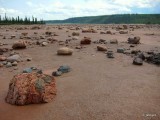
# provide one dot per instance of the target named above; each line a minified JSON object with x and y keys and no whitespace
{"x":24,"y":21}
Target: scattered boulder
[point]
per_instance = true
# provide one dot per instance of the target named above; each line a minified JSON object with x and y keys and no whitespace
{"x":64,"y":69}
{"x":44,"y":43}
{"x":120,"y":50}
{"x":36,"y":28}
{"x":31,"y":88}
{"x":102,"y":32}
{"x":123,"y":32}
{"x":64,"y":51}
{"x":114,"y":41}
{"x":135,"y":40}
{"x":13,"y":58}
{"x":110,"y":54}
{"x":136,"y":51}
{"x":101,"y":48}
{"x":15,"y":63}
{"x":9,"y":64}
{"x":153,"y":58}
{"x":109,"y":32}
{"x":19,"y":45}
{"x":57,"y":73}
{"x":24,"y":34}
{"x":48,"y":33}
{"x":75,"y":34}
{"x":137,"y":61}
{"x":27,"y":70}
{"x":2,"y":58}
{"x":125,"y":27}
{"x":86,"y":41}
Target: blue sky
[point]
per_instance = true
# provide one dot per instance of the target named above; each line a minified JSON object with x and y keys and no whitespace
{"x":63,"y":9}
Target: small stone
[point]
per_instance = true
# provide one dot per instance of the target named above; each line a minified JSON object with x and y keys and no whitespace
{"x":78,"y":47}
{"x":114,"y":41}
{"x":110,"y":54}
{"x":14,"y":63}
{"x":86,"y":41}
{"x":2,"y":58}
{"x":9,"y":64}
{"x":15,"y":68}
{"x":1,"y":65}
{"x":4,"y":62}
{"x":64,"y":51}
{"x":33,"y":68}
{"x":44,"y":43}
{"x":123,"y":32}
{"x":120,"y":50}
{"x":101,"y":48}
{"x":75,"y":34}
{"x":39,"y":71}
{"x":64,"y":69}
{"x":132,"y":46}
{"x":135,"y":40}
{"x":137,"y":61}
{"x":29,"y":59}
{"x":13,"y":58}
{"x":57,"y":73}
{"x":27,"y":70}
{"x":19,"y":45}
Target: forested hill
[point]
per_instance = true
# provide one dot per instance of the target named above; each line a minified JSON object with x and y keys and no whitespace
{"x":112,"y":19}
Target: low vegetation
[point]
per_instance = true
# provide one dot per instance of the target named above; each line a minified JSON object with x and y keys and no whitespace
{"x":113,"y":19}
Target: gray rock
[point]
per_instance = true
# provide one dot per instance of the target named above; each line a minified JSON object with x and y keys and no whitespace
{"x":44,"y":43}
{"x":57,"y":73}
{"x":114,"y":41}
{"x":13,"y":58}
{"x":27,"y":70}
{"x":39,"y":71}
{"x":4,"y":62}
{"x":9,"y":64}
{"x":120,"y":50}
{"x":110,"y":54}
{"x":14,"y":63}
{"x":137,"y":61}
{"x":64,"y":69}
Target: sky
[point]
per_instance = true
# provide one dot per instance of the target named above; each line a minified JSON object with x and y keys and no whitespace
{"x":63,"y":9}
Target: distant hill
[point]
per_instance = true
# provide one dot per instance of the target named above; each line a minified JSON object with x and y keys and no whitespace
{"x":112,"y":19}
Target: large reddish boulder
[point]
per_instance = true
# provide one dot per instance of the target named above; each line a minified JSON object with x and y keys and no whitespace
{"x":31,"y":88}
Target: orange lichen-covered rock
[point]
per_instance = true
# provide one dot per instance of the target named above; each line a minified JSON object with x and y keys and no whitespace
{"x":31,"y":88}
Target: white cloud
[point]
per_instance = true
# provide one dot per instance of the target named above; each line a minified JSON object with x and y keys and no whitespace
{"x":10,"y":12}
{"x":62,"y":9}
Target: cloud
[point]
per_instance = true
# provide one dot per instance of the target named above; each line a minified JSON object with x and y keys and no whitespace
{"x":10,"y":12}
{"x":63,"y":9}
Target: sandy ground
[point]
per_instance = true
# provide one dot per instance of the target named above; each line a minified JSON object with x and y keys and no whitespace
{"x":97,"y":88}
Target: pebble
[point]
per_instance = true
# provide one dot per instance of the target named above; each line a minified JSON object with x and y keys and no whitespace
{"x":9,"y":64}
{"x":27,"y":70}
{"x":14,"y":63}
{"x":120,"y":50}
{"x":29,"y":59}
{"x":57,"y":73}
{"x":64,"y":69}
